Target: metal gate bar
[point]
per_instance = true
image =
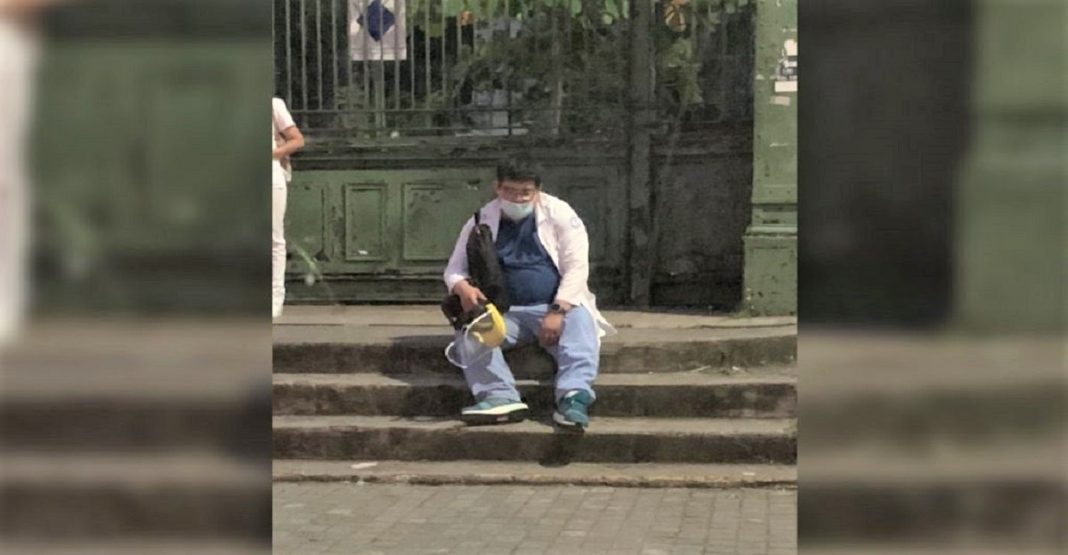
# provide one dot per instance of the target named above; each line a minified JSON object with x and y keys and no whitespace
{"x":450,"y":79}
{"x":494,"y":68}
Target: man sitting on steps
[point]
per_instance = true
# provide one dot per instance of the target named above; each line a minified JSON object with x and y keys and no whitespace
{"x":543,"y":249}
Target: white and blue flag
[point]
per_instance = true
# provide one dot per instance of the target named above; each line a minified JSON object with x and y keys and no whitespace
{"x":377,"y":30}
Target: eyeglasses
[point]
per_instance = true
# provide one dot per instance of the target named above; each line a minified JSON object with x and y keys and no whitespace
{"x":518,"y":194}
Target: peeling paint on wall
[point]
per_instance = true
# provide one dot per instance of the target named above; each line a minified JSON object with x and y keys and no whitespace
{"x":786,"y":70}
{"x":771,"y":240}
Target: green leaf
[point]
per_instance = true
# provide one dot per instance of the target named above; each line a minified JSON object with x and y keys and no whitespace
{"x":612,"y":8}
{"x":314,"y":271}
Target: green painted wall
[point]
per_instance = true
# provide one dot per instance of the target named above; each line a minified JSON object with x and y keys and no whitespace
{"x":771,"y":239}
{"x":150,"y":174}
{"x":1012,"y":212}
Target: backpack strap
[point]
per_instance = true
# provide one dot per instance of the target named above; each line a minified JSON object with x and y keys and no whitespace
{"x":478,"y":217}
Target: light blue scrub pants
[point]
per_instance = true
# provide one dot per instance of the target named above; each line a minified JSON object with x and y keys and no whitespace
{"x":577,"y":354}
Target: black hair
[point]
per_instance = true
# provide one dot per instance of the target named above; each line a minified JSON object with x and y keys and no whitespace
{"x":519,"y":168}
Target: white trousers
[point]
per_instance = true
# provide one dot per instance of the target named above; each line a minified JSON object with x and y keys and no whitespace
{"x":278,"y":247}
{"x":13,"y":254}
{"x":17,"y":62}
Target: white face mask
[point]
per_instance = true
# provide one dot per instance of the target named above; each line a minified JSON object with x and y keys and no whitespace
{"x":516,"y":211}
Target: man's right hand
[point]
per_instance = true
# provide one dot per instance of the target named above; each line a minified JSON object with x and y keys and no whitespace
{"x":470,"y":296}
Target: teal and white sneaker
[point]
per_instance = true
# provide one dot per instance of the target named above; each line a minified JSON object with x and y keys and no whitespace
{"x":573,"y":410}
{"x":495,"y":410}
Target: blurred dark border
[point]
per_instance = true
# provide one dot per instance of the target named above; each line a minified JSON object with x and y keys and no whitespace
{"x":933,"y":405}
{"x":884,"y":124}
{"x":136,"y":407}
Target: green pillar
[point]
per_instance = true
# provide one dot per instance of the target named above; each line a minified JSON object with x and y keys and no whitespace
{"x":639,"y":194}
{"x":1012,"y":250}
{"x":771,"y":239}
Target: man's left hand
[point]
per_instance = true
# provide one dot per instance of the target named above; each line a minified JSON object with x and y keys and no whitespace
{"x":551,"y":327}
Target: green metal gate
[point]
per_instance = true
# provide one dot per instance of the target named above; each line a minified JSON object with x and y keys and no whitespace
{"x":407,"y":117}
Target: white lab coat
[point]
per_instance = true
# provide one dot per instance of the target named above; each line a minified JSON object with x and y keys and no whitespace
{"x":564,"y":237}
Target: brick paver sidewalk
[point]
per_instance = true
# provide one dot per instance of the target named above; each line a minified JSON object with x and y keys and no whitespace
{"x":353,"y":519}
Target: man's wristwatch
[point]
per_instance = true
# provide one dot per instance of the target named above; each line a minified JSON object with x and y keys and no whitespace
{"x":555,"y":308}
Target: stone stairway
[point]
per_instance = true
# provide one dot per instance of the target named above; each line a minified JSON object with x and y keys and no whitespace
{"x":365,"y":394}
{"x":135,"y":438}
{"x":934,"y":439}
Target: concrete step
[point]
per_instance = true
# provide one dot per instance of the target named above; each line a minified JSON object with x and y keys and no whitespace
{"x":417,"y":349}
{"x":687,"y":394}
{"x":940,"y":438}
{"x":296,"y":315}
{"x":644,"y":475}
{"x":136,"y":546}
{"x":913,"y":391}
{"x":617,"y":440}
{"x":78,"y":386}
{"x":1008,"y":492}
{"x":912,"y":546}
{"x":102,"y":424}
{"x":186,"y":496}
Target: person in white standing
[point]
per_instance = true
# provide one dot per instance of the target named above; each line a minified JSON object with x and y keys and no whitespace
{"x":287,"y":139}
{"x":18,"y":56}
